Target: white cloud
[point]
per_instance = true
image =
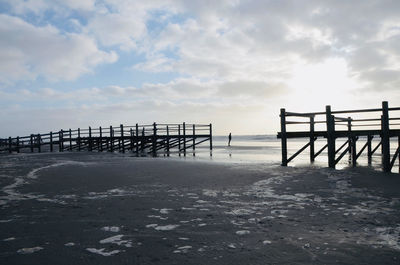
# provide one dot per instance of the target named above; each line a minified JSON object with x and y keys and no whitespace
{"x":27,"y":51}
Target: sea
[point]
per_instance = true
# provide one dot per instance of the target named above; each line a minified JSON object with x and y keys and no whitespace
{"x":267,"y":149}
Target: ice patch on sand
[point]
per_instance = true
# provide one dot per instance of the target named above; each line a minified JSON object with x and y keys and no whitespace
{"x":165,"y":211}
{"x":29,"y":250}
{"x":210,"y":193}
{"x":241,"y":211}
{"x":166,"y":227}
{"x":114,"y":229}
{"x":389,"y":236}
{"x":183,"y":249}
{"x":117,"y":240}
{"x":102,"y":252}
{"x":242,"y":232}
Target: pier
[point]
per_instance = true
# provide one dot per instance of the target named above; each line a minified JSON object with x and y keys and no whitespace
{"x":377,"y":124}
{"x":139,"y":139}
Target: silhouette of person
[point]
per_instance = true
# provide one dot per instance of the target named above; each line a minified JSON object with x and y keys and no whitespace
{"x":229,"y":139}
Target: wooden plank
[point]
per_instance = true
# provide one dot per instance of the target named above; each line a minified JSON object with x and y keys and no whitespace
{"x":70,"y":140}
{"x":394,"y":157}
{"x":38,"y":139}
{"x":376,"y":148}
{"x":111,"y":139}
{"x":100,"y":142}
{"x":341,"y":155}
{"x":9,"y":145}
{"x":341,"y":147}
{"x":168,"y":140}
{"x":31,"y":143}
{"x":362,"y":149}
{"x":17,"y":144}
{"x":154,"y":139}
{"x":298,"y":152}
{"x":320,"y":151}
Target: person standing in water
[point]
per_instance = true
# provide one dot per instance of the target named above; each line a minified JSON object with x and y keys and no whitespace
{"x":229,"y":139}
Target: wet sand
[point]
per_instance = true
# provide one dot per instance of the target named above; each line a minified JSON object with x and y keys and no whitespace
{"x":115,"y":209}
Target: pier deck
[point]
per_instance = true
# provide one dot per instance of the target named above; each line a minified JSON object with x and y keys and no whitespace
{"x":382,"y":127}
{"x":139,"y":139}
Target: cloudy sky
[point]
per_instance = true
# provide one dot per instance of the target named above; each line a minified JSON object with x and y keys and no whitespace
{"x":75,"y":63}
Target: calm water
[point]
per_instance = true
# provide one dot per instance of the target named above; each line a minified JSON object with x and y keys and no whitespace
{"x":267,"y":148}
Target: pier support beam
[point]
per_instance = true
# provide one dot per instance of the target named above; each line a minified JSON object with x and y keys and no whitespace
{"x":283,"y":137}
{"x":312,"y":150}
{"x":385,"y":137}
{"x":330,"y":127}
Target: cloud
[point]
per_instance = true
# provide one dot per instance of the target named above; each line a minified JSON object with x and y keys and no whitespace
{"x":27,"y":51}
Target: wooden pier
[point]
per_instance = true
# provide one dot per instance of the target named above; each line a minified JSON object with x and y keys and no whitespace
{"x":381,"y":124}
{"x":139,"y":139}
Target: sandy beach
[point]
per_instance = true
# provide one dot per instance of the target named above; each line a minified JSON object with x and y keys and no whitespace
{"x":117,"y":209}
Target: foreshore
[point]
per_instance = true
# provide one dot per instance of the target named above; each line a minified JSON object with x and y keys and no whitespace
{"x":96,"y":208}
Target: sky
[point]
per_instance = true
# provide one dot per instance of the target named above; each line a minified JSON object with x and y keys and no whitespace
{"x":79,"y":63}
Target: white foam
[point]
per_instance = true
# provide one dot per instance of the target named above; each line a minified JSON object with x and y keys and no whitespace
{"x":265,"y":242}
{"x":102,"y":252}
{"x":242,"y":232}
{"x":114,"y":229}
{"x":166,"y":227}
{"x":117,"y":240}
{"x":210,"y":193}
{"x":29,"y":250}
{"x":165,"y":211}
{"x":9,"y":239}
{"x":69,"y":244}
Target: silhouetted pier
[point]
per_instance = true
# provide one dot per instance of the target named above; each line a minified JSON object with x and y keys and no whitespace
{"x":379,"y":120}
{"x":139,"y":139}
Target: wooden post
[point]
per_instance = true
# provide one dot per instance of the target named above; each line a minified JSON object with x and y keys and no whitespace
{"x":79,"y":139}
{"x":111,"y":139}
{"x":39,"y":143}
{"x":70,"y":140}
{"x":354,"y":150}
{"x":9,"y":145}
{"x":184,"y":138}
{"x":60,"y":140}
{"x":385,"y":137}
{"x":51,"y":141}
{"x":179,"y":139}
{"x":100,"y":139}
{"x":330,"y":128}
{"x":143,"y":140}
{"x":211,"y":143}
{"x":398,"y":146}
{"x":168,"y":140}
{"x":90,"y":139}
{"x":194,"y":138}
{"x":312,"y":150}
{"x":122,"y":137}
{"x":369,"y":146}
{"x":283,"y":137}
{"x":154,"y":138}
{"x":131,"y":139}
{"x":17,"y":144}
{"x":137,"y":139}
{"x":31,"y":143}
{"x":349,"y":134}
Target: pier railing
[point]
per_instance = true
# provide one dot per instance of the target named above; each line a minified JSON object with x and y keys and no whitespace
{"x":147,"y":138}
{"x":378,"y":123}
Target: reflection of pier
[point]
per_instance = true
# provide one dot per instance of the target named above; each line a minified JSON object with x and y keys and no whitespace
{"x":380,"y":128}
{"x":137,"y":139}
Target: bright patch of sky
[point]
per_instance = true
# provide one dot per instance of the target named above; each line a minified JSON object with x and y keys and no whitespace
{"x":233,"y":64}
